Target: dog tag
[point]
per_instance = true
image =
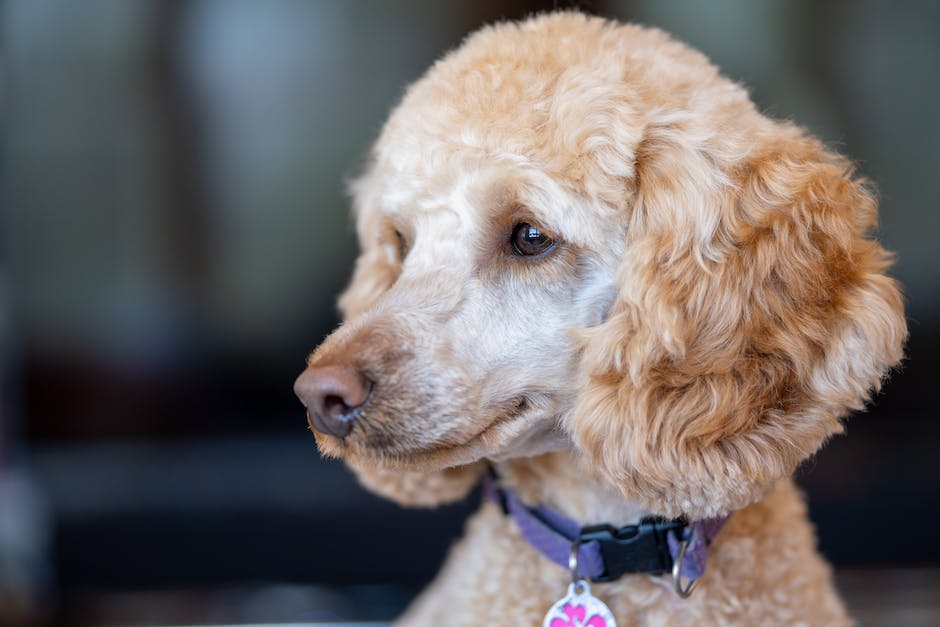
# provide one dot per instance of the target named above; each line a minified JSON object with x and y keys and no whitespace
{"x":579,"y":608}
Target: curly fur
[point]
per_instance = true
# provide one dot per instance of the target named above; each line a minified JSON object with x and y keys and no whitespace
{"x":714,"y":306}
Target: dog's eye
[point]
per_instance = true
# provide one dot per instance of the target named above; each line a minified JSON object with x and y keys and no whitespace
{"x":529,"y":240}
{"x":402,"y":245}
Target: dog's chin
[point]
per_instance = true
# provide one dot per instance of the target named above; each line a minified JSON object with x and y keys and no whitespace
{"x":506,"y":439}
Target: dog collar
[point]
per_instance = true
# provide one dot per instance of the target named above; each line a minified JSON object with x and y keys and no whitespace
{"x":603,"y":552}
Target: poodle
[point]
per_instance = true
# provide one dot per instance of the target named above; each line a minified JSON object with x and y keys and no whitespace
{"x":595,"y":277}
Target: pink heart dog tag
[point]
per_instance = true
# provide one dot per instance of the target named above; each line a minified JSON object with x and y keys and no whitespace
{"x":579,"y":608}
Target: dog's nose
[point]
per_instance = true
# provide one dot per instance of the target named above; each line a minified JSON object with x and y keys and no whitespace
{"x":332,"y":394}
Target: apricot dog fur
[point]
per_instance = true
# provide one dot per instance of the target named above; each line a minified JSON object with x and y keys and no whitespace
{"x":713,"y":305}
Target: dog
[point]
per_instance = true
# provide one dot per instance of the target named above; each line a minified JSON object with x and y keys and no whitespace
{"x":593,"y":275}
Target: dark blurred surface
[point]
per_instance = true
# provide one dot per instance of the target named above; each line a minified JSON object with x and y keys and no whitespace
{"x":175,"y":233}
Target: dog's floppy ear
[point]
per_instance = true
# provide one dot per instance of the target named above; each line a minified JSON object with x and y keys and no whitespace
{"x":753,"y":312}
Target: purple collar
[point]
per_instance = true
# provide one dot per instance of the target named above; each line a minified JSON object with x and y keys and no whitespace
{"x":604,"y":553}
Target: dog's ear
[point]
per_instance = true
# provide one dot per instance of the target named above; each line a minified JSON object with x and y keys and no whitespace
{"x":753,"y":312}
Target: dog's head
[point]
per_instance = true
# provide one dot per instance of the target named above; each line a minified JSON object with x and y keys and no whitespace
{"x":577,"y":234}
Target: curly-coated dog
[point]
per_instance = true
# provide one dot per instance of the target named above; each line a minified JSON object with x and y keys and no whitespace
{"x":594,"y":274}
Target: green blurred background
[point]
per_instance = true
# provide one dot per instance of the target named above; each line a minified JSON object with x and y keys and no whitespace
{"x":174,"y":235}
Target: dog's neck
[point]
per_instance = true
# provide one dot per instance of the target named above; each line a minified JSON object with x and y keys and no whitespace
{"x":564,"y":481}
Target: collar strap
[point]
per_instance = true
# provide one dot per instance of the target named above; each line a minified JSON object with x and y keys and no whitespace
{"x":604,"y":552}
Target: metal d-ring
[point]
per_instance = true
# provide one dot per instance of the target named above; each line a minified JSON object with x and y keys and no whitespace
{"x":577,"y":583}
{"x":683,"y":592}
{"x":573,"y":560}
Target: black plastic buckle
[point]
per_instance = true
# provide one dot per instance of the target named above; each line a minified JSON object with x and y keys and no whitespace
{"x":640,"y":548}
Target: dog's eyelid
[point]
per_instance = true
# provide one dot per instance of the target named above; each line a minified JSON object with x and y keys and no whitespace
{"x":403,"y":244}
{"x":396,"y":236}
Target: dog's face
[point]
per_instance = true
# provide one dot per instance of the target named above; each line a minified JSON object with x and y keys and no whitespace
{"x":578,"y":235}
{"x":469,"y":346}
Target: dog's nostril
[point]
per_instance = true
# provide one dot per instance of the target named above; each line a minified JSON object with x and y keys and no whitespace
{"x":335,"y":406}
{"x":332,"y":394}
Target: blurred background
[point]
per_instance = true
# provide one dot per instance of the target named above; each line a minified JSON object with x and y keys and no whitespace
{"x":175,"y":232}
